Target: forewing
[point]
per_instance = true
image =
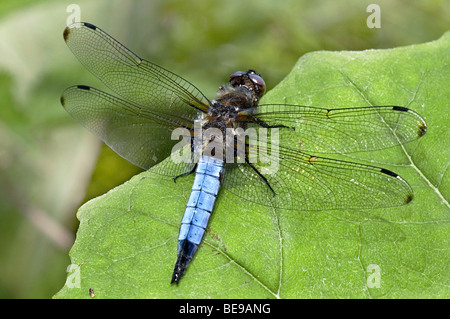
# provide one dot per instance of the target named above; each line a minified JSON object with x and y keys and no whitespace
{"x":347,"y":130}
{"x":134,"y":79}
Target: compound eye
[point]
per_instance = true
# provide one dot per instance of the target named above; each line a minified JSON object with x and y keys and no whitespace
{"x":259,"y":83}
{"x":236,"y":75}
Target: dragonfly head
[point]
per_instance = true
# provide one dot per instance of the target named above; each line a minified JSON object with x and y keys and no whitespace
{"x":251,"y":81}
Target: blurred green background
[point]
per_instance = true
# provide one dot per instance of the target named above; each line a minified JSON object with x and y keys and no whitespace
{"x":50,"y":165}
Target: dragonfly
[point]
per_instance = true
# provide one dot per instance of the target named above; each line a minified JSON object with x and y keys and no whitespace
{"x":281,"y":168}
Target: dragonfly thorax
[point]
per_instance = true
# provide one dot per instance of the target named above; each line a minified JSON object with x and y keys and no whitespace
{"x":238,"y":98}
{"x":221,"y":116}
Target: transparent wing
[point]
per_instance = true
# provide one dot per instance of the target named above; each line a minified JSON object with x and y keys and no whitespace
{"x":140,"y":135}
{"x":347,"y":130}
{"x":134,"y":79}
{"x":299,"y":181}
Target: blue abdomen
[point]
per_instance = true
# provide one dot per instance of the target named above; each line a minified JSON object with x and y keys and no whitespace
{"x":208,"y":176}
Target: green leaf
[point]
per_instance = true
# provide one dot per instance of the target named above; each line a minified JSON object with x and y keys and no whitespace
{"x":127,"y":240}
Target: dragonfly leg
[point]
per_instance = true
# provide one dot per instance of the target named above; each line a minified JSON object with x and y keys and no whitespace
{"x":261,"y":175}
{"x":265,"y":125}
{"x":185,"y":174}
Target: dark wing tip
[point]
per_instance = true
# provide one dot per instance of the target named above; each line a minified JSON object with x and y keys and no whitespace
{"x":421,"y":123}
{"x":62,"y":99}
{"x":409,"y":198}
{"x":422,"y":129}
{"x":66,"y":33}
{"x":67,"y":30}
